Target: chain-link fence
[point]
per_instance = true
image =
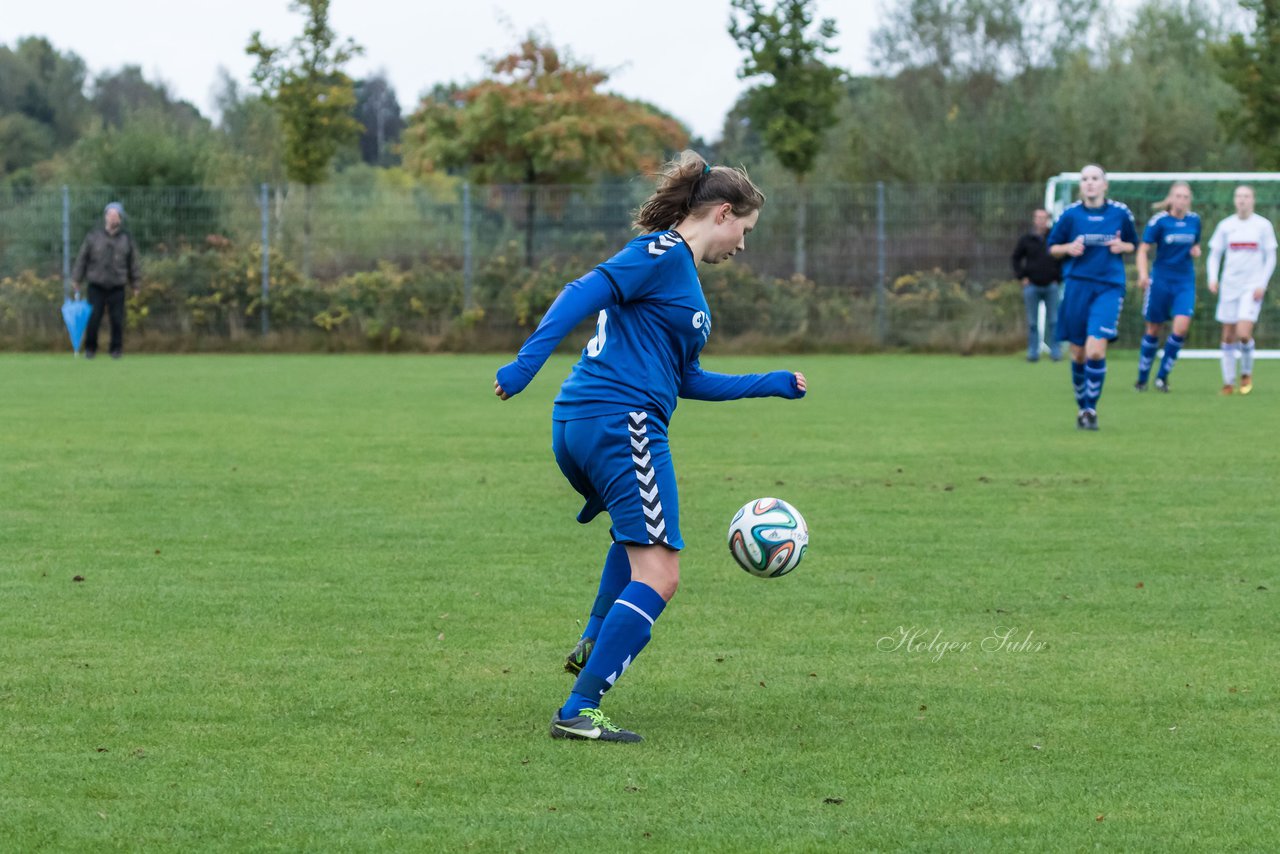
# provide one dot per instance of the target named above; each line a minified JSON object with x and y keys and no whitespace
{"x":923,"y":267}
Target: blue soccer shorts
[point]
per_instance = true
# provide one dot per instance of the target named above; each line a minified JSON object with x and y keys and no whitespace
{"x":622,"y":463}
{"x":1164,"y":302}
{"x":1089,"y":309}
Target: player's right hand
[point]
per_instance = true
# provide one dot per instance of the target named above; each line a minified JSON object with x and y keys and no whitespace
{"x":1076,"y":247}
{"x":497,"y":389}
{"x":1144,"y":282}
{"x":1213,"y":287}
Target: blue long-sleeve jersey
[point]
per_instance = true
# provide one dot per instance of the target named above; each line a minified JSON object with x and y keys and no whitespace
{"x":1099,"y":227}
{"x":1173,"y":238}
{"x":652,"y":322}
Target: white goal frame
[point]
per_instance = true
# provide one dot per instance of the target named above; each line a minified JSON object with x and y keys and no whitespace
{"x":1054,"y":203}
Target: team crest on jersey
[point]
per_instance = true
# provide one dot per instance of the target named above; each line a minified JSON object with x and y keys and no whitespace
{"x":702,"y":323}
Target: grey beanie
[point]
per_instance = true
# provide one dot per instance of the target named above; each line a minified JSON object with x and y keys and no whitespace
{"x":113,"y":206}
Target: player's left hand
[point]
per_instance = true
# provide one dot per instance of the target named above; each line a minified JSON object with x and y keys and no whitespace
{"x":1259,"y":294}
{"x":801,"y":386}
{"x":1195,"y":251}
{"x":497,"y":389}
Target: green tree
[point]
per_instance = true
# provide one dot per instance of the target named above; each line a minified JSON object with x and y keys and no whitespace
{"x":798,"y":106}
{"x":43,"y":109}
{"x":1251,"y":65}
{"x":541,"y":119}
{"x":378,"y":109}
{"x":152,"y":149}
{"x":254,"y":141}
{"x":119,"y":94}
{"x":999,"y":38}
{"x":314,"y":98}
{"x":946,"y":109}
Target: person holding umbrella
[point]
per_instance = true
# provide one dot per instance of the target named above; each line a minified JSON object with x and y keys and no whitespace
{"x":108,"y":261}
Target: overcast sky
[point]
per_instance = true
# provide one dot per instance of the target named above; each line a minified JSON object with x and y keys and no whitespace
{"x":677,"y":56}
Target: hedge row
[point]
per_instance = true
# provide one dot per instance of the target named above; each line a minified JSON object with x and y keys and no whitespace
{"x":210,"y":298}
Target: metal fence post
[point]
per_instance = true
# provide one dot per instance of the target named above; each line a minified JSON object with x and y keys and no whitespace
{"x":264,"y":201}
{"x":466,"y":246}
{"x":66,"y":242}
{"x":881,"y":320}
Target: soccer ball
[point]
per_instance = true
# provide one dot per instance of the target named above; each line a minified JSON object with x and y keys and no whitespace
{"x":768,"y":537}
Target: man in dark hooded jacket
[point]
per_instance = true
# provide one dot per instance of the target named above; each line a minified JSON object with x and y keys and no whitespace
{"x":108,"y":261}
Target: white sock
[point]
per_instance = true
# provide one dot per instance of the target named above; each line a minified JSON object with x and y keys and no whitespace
{"x":1229,"y":364}
{"x":1246,"y":357}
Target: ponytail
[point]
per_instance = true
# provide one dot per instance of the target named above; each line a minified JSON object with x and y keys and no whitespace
{"x":687,"y":184}
{"x":1167,"y":204}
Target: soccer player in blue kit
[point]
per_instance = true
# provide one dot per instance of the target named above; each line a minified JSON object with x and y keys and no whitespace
{"x":1091,"y":235}
{"x":1171,"y":287}
{"x":609,"y":422}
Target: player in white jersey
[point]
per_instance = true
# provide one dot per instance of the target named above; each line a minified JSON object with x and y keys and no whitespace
{"x":1248,"y":242}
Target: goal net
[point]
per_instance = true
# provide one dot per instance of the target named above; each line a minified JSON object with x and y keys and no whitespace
{"x":1212,"y":194}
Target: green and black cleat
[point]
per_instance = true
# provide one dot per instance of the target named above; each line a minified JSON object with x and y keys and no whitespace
{"x":590,"y":725}
{"x":577,"y":659}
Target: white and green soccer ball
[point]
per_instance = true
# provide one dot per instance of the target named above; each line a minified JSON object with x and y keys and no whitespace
{"x":768,"y":537}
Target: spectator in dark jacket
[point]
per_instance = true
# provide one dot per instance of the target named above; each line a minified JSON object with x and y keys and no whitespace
{"x":108,"y":261}
{"x":1040,"y":274}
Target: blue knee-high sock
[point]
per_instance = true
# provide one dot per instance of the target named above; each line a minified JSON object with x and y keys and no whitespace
{"x":1077,"y":383}
{"x":1146,"y":356}
{"x":1172,"y":345}
{"x":625,"y":632}
{"x":615,"y":576}
{"x":1095,"y":374}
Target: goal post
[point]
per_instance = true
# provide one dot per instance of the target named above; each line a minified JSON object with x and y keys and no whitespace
{"x":1136,"y":188}
{"x":1213,"y":200}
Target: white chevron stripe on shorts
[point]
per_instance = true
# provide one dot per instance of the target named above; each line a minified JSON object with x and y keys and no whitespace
{"x":655,"y":523}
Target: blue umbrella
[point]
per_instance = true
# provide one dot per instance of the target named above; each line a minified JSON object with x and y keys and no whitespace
{"x":75,"y":313}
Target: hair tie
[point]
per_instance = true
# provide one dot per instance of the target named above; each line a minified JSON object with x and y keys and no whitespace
{"x":706,"y":167}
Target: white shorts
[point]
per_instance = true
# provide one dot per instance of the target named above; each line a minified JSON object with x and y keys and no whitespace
{"x":1238,"y":305}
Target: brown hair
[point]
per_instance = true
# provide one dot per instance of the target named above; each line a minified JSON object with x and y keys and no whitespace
{"x":688,"y":183}
{"x":1167,"y":204}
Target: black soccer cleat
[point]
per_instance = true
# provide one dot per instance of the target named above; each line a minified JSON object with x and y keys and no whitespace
{"x":590,"y":725}
{"x":1141,"y":386}
{"x":1162,"y":384}
{"x":1090,"y":420}
{"x":576,"y":660}
{"x":1082,"y":421}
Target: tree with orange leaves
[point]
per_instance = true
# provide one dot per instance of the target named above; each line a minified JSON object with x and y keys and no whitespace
{"x":540,"y":119}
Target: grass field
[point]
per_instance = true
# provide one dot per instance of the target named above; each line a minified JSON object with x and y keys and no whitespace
{"x":325,"y":602}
